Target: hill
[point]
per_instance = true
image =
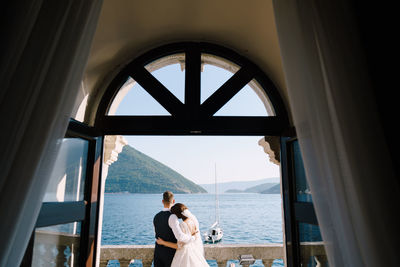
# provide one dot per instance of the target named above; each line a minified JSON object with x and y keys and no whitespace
{"x":241,"y":185}
{"x":254,"y":189}
{"x":234,"y":191}
{"x":135,"y":172}
{"x":276,"y":189}
{"x":259,"y":188}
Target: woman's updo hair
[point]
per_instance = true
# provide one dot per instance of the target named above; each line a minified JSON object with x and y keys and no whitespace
{"x":177,"y":209}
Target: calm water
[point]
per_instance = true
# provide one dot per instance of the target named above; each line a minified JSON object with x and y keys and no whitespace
{"x":245,"y":218}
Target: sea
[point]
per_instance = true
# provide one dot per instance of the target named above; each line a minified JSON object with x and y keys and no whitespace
{"x":246,"y":218}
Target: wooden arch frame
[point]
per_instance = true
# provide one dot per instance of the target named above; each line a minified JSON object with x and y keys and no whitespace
{"x":192,"y":117}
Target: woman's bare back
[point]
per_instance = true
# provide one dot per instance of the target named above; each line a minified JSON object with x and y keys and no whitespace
{"x":192,"y":229}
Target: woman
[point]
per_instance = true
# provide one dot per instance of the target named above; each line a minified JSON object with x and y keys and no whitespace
{"x":187,"y":254}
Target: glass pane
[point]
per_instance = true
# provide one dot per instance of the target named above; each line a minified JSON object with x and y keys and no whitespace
{"x":68,"y":176}
{"x":57,"y":245}
{"x":215,"y":72}
{"x":132,"y":100}
{"x":170,"y":71}
{"x":309,"y":232}
{"x":251,"y":100}
{"x":311,"y":246}
{"x":245,"y":103}
{"x":303,"y":192}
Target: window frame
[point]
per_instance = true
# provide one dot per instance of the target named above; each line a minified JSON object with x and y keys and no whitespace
{"x":295,"y":212}
{"x":85,"y":211}
{"x":192,"y":117}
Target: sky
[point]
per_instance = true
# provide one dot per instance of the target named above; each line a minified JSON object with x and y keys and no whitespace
{"x":238,"y":158}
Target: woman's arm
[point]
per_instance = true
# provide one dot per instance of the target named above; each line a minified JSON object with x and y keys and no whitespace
{"x":166,"y":243}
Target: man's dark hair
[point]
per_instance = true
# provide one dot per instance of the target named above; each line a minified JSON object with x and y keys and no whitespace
{"x":168,"y":196}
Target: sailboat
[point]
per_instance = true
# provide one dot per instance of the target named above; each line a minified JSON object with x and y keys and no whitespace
{"x":214,"y":233}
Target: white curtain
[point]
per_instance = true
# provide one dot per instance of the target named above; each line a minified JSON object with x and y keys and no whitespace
{"x":347,"y":162}
{"x":45,"y":46}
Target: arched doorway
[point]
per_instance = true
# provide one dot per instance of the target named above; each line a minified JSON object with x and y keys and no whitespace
{"x":192,"y":111}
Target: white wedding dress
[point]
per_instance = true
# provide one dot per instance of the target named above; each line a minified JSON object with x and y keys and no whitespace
{"x":190,"y":254}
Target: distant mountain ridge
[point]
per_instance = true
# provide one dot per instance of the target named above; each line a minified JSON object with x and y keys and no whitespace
{"x":255,"y":189}
{"x":276,"y":189}
{"x":240,"y":185}
{"x":135,"y":172}
{"x":260,"y":188}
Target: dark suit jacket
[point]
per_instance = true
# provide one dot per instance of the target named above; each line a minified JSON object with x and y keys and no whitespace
{"x":163,"y":255}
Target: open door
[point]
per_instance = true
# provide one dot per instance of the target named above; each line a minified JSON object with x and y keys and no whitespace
{"x":65,"y":233}
{"x":303,"y":242}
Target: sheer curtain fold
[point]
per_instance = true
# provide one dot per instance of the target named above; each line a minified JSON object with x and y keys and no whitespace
{"x":345,"y":155}
{"x":45,"y":52}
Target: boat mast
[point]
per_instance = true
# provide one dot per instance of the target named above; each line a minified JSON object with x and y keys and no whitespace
{"x":216,"y":196}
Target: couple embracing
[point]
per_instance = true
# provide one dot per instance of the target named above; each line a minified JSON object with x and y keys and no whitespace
{"x":178,"y":244}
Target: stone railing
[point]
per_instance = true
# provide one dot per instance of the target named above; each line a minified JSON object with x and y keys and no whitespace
{"x":221,"y":253}
{"x":61,"y":248}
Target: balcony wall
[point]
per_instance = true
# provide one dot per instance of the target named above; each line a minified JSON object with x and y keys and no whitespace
{"x":67,"y":246}
{"x":221,"y":253}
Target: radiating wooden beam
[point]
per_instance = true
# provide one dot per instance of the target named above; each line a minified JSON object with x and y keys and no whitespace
{"x":230,"y":88}
{"x":192,"y":80}
{"x":157,"y":90}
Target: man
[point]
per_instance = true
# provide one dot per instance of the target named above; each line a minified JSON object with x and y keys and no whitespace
{"x":166,"y":226}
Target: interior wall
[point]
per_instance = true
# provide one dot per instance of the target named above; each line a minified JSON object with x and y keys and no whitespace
{"x":127,"y":29}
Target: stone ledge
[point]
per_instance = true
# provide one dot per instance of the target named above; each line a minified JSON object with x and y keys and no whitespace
{"x":219,"y":252}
